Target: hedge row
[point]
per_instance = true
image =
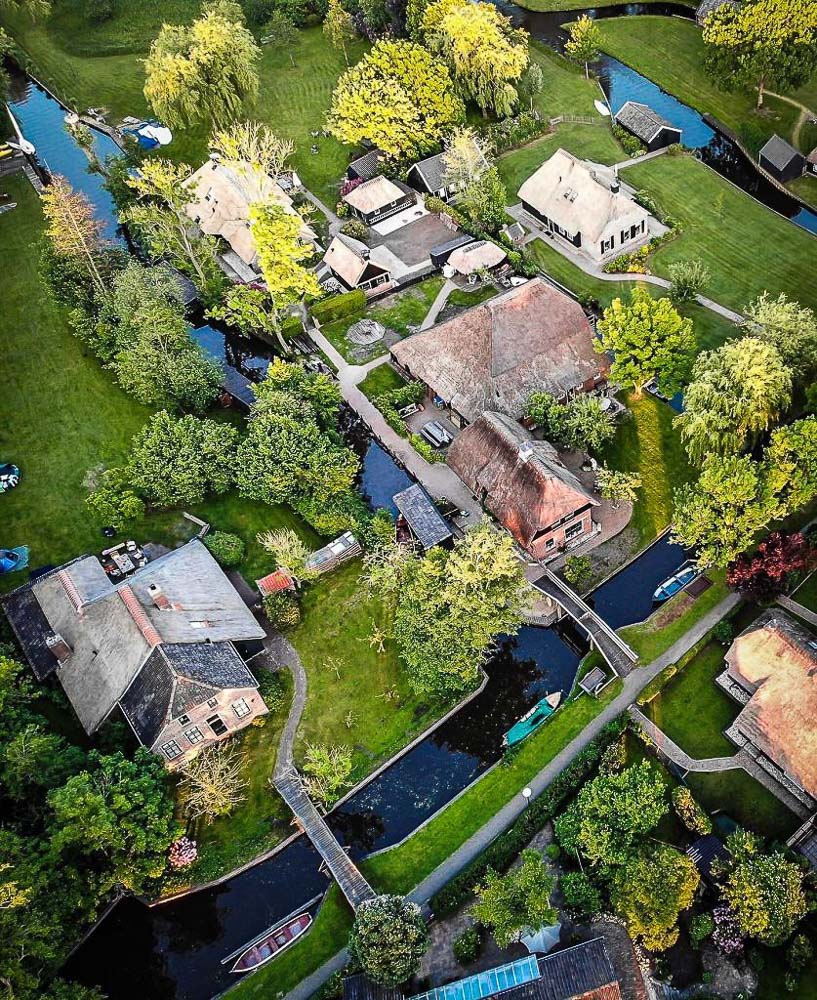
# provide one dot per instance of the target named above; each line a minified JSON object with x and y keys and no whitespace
{"x":500,"y":854}
{"x":338,"y":306}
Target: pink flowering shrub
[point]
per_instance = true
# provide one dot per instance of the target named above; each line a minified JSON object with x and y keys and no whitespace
{"x":183,"y":852}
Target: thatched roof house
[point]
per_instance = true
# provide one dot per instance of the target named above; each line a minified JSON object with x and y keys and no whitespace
{"x":494,"y":355}
{"x":353,"y":263}
{"x":523,"y":484}
{"x":481,"y":255}
{"x":771,"y":668}
{"x":378,"y":199}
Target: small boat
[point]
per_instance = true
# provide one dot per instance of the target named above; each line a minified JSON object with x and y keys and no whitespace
{"x":272,"y":944}
{"x":670,"y":587}
{"x":602,"y":108}
{"x":531,"y":720}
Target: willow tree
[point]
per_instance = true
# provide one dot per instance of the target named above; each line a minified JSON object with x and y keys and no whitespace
{"x":253,"y":144}
{"x":485,"y":53}
{"x":34,"y":8}
{"x":767,"y":43}
{"x":204,"y":71}
{"x":73,"y":230}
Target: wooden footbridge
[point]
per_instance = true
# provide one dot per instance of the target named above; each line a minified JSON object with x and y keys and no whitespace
{"x":352,"y":884}
{"x":621,"y":657}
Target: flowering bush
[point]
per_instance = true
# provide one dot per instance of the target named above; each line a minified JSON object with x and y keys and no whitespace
{"x":727,"y":936}
{"x":183,"y":852}
{"x":348,"y":186}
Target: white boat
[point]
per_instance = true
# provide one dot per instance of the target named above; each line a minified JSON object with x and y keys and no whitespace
{"x":602,"y":108}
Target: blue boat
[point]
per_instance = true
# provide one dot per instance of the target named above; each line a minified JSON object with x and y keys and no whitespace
{"x":671,"y":586}
{"x":531,"y":720}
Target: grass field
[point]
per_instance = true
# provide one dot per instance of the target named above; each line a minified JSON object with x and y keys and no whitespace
{"x":806,"y":593}
{"x":747,"y":247}
{"x":462,"y":298}
{"x":745,"y":800}
{"x":381,"y":379}
{"x":408,"y":308}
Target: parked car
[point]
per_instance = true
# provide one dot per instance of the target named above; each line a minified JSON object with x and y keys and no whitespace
{"x":436,"y":434}
{"x":9,"y":476}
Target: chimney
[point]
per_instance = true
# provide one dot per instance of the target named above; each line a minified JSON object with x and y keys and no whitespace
{"x":615,"y":184}
{"x":159,"y":599}
{"x":525,"y":451}
{"x":58,"y":646}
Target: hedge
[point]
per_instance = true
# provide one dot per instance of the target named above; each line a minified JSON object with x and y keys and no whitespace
{"x":501,"y":853}
{"x":338,"y":306}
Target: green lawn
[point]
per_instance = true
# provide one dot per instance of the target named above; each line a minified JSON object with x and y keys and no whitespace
{"x":747,"y":247}
{"x":745,"y":800}
{"x":565,"y":90}
{"x":692,"y":710}
{"x":462,"y":298}
{"x":806,"y":593}
{"x":408,"y":308}
{"x":805,"y":187}
{"x":574,"y":4}
{"x":381,"y":379}
{"x":670,"y":52}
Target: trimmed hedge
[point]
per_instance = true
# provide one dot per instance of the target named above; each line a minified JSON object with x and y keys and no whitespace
{"x":500,"y":854}
{"x":339,"y":306}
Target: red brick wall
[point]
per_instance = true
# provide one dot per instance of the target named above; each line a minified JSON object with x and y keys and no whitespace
{"x":539,"y":548}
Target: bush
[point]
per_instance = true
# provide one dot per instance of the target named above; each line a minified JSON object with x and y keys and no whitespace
{"x":354,"y":228}
{"x":689,"y":812}
{"x":271,"y":688}
{"x":516,"y":131}
{"x":553,"y":851}
{"x":424,"y":449}
{"x":629,"y":143}
{"x":614,"y":758}
{"x":227,"y":549}
{"x":436,"y":205}
{"x":283,"y":610}
{"x":99,"y":10}
{"x":467,"y":946}
{"x":580,"y":895}
{"x":578,"y":571}
{"x":724,"y":633}
{"x":389,"y":403}
{"x":700,"y":928}
{"x":340,"y":306}
{"x":689,"y":278}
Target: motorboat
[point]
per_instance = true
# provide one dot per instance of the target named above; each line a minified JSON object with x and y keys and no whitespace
{"x":531,"y":720}
{"x":673,"y":584}
{"x":272,"y":943}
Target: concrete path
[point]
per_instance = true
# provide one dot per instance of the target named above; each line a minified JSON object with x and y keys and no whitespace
{"x":507,"y":814}
{"x":797,"y":609}
{"x":438,"y":304}
{"x":673,"y":752}
{"x":638,"y":159}
{"x":284,"y":656}
{"x":334,"y":221}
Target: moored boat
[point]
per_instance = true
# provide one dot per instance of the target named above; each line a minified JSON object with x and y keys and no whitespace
{"x":272,"y":944}
{"x":670,"y":587}
{"x":531,"y":720}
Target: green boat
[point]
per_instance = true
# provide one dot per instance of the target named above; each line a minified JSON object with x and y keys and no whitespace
{"x":531,"y":720}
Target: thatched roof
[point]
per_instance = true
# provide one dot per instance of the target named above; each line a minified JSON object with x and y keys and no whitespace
{"x":476,"y":256}
{"x":775,"y":660}
{"x":494,"y":355}
{"x":522,"y":480}
{"x":377,"y":193}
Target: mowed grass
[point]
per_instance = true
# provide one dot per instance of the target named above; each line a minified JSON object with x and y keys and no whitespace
{"x":806,"y":593}
{"x":745,"y":800}
{"x":747,"y":247}
{"x":407,"y":308}
{"x":381,"y":379}
{"x":357,"y":696}
{"x":670,"y":52}
{"x":545,"y":5}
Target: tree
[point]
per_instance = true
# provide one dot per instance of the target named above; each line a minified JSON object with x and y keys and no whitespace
{"x":177,"y":461}
{"x":651,"y":890}
{"x":34,"y":8}
{"x":451,"y":605}
{"x":339,"y":27}
{"x":586,"y":426}
{"x":276,"y":233}
{"x":531,"y":84}
{"x":484,"y":201}
{"x":518,"y":901}
{"x":584,"y":42}
{"x":280,"y":32}
{"x":790,"y":328}
{"x":389,"y":938}
{"x":721,"y":513}
{"x":485,"y":53}
{"x":611,"y":814}
{"x":6,"y":46}
{"x":399,"y":98}
{"x":762,"y":44}
{"x":213,"y":783}
{"x":689,"y":812}
{"x":647,"y":339}
{"x":327,"y":769}
{"x":790,"y":465}
{"x":618,"y":487}
{"x":34,"y":759}
{"x":203,"y":71}
{"x":548,"y":414}
{"x":764,"y":575}
{"x":258,"y":152}
{"x":115,"y":505}
{"x":73,"y":229}
{"x":578,"y":571}
{"x":689,"y":278}
{"x":736,"y":393}
{"x":116,"y":819}
{"x":465,"y":159}
{"x":252,"y":312}
{"x":290,"y":553}
{"x":580,"y":895}
{"x":763,"y":891}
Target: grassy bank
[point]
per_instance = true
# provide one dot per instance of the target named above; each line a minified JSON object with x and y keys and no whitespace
{"x":546,"y":5}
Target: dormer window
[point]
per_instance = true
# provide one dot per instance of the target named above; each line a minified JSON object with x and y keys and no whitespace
{"x":183,"y":720}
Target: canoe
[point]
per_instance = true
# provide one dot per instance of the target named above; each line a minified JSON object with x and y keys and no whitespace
{"x":272,"y":944}
{"x":670,"y":587}
{"x":531,"y":720}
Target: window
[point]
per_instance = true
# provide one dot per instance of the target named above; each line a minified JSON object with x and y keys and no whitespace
{"x":195,"y":735}
{"x":184,"y":719}
{"x":574,"y":530}
{"x":212,"y":703}
{"x":171,"y":750}
{"x":241,"y":708}
{"x":608,"y":244}
{"x":550,"y":543}
{"x":217,"y":725}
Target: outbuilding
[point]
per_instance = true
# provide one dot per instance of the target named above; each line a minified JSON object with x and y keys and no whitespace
{"x":647,"y":126}
{"x":781,"y":160}
{"x":379,"y":199}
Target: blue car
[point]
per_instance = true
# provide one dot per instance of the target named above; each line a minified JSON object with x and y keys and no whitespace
{"x":9,"y":476}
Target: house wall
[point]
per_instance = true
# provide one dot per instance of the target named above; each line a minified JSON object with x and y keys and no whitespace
{"x":575,"y":529}
{"x":198,"y":716}
{"x":666,"y":137}
{"x":575,"y":238}
{"x":790,"y":172}
{"x":385,"y":211}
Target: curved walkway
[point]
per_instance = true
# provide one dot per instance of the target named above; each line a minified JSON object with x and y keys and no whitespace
{"x":806,"y":114}
{"x":673,"y":752}
{"x":283,"y":654}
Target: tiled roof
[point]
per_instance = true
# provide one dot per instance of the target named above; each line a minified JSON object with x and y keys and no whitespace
{"x":642,"y":121}
{"x":779,"y":152}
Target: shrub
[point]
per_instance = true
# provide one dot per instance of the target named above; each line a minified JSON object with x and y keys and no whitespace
{"x":227,"y":549}
{"x":99,"y":10}
{"x":614,"y":758}
{"x":436,"y":205}
{"x":283,"y":610}
{"x":340,"y":306}
{"x":799,"y":953}
{"x":183,"y":853}
{"x":578,"y":571}
{"x":724,"y":633}
{"x":689,"y":278}
{"x":271,"y":688}
{"x":629,"y":143}
{"x":354,"y":228}
{"x":516,"y":131}
{"x":424,"y":449}
{"x":115,"y":507}
{"x":389,"y":403}
{"x":689,"y":812}
{"x":553,"y":851}
{"x":580,"y":895}
{"x":467,"y":945}
{"x":700,"y":928}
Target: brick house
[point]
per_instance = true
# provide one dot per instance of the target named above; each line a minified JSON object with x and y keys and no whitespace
{"x":166,"y":645}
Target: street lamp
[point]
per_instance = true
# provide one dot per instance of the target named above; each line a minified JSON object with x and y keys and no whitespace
{"x":526,"y":794}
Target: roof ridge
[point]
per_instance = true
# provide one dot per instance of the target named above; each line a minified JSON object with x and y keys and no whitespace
{"x":139,"y":616}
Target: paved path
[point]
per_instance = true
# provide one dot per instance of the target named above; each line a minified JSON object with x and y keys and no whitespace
{"x":334,"y":222}
{"x":283,"y":654}
{"x":438,"y":304}
{"x":678,"y":756}
{"x":806,"y":114}
{"x":634,"y":160}
{"x":501,"y":820}
{"x":796,"y":608}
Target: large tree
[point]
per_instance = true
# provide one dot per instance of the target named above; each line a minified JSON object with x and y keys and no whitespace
{"x":281,"y":253}
{"x":203,"y":71}
{"x":765,"y":574}
{"x":465,"y":159}
{"x":790,"y":465}
{"x":252,"y":312}
{"x":736,"y":393}
{"x":388,"y":939}
{"x":339,"y":27}
{"x":766,"y":43}
{"x":74,"y":231}
{"x":789,"y":327}
{"x":648,"y":340}
{"x":213,"y":783}
{"x":484,"y":201}
{"x":398,"y":97}
{"x":485,"y":53}
{"x":517,"y":902}
{"x":253,"y":146}
{"x":584,"y":42}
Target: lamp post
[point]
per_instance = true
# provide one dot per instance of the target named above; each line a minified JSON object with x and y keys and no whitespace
{"x":526,"y":794}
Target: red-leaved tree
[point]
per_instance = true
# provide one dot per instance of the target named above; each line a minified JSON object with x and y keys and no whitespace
{"x":764,"y":575}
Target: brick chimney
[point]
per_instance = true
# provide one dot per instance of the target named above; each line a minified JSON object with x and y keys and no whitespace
{"x":158,"y":597}
{"x":58,"y":646}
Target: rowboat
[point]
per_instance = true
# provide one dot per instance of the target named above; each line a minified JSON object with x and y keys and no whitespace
{"x":602,"y":108}
{"x":272,"y":944}
{"x":686,"y":574}
{"x":531,"y":720}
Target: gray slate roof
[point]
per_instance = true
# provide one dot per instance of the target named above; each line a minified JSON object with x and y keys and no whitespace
{"x":779,"y":152}
{"x":176,"y":679}
{"x":368,"y":165}
{"x":425,"y":521}
{"x":432,"y":170}
{"x":573,"y":972}
{"x":642,"y":121}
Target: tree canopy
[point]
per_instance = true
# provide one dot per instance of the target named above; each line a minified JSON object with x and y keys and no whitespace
{"x":584,"y":42}
{"x":388,"y":938}
{"x":398,"y":97}
{"x":516,"y":902}
{"x":788,"y":327}
{"x":276,"y":234}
